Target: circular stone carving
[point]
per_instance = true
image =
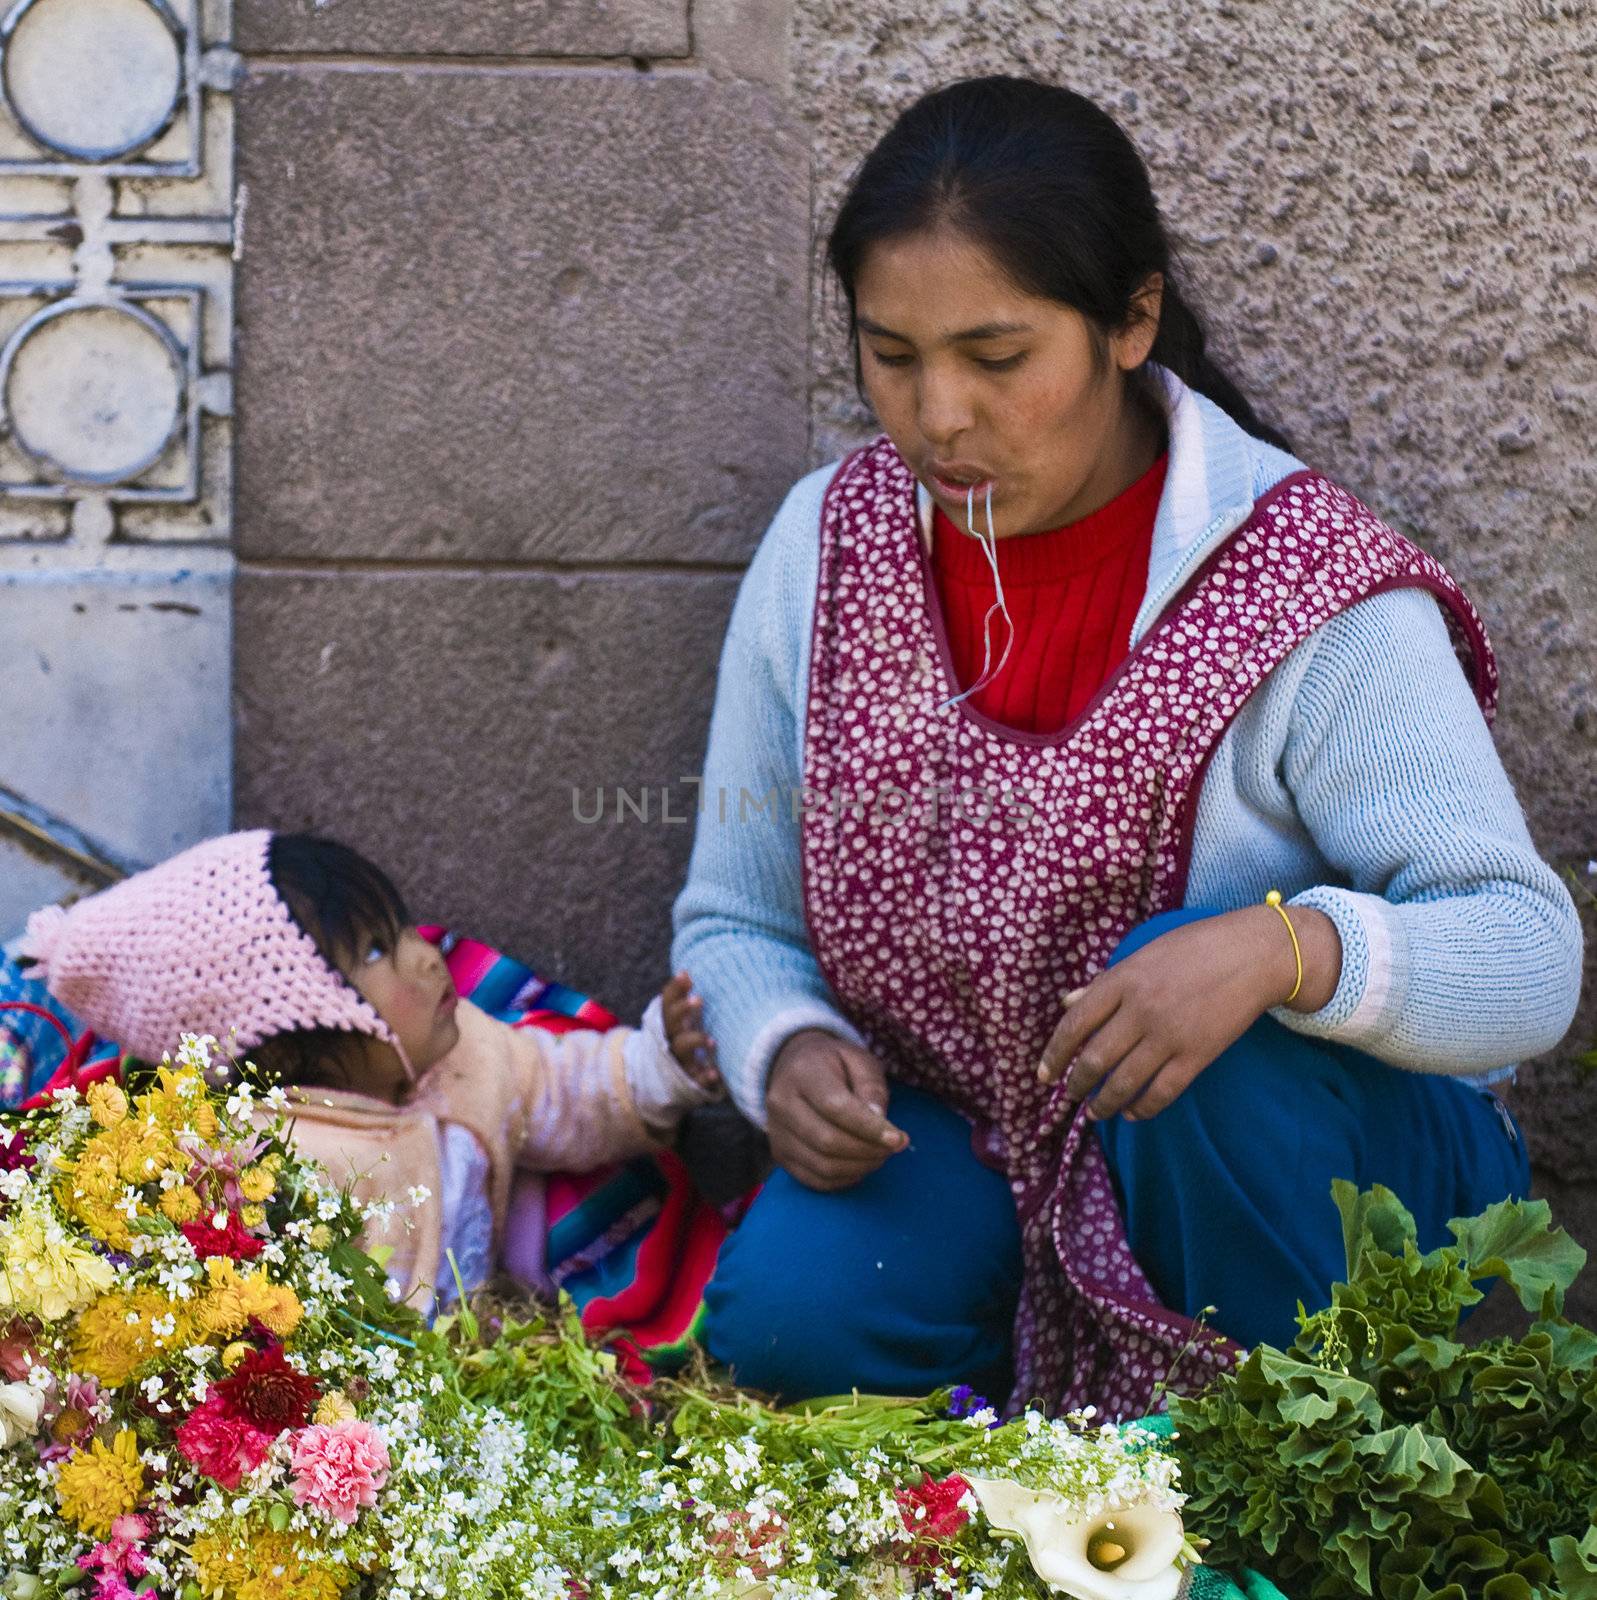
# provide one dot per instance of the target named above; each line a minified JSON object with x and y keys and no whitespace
{"x":92,"y":79}
{"x":95,"y":391}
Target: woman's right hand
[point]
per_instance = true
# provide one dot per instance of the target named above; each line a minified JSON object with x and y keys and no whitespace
{"x":826,"y":1111}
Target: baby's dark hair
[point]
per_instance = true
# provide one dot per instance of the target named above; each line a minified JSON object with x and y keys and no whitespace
{"x":345,"y":905}
{"x":341,"y":900}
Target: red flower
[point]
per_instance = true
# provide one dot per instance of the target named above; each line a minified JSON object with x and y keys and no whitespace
{"x":221,"y":1443}
{"x":232,"y":1240}
{"x":932,"y":1513}
{"x":18,"y":1354}
{"x":264,"y":1390}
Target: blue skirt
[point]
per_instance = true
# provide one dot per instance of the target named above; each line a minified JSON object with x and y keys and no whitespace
{"x":909,"y":1280}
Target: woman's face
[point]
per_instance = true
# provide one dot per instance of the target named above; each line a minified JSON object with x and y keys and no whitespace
{"x":977,"y":382}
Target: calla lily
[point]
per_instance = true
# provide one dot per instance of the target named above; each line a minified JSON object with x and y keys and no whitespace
{"x":1111,"y":1555}
{"x":20,"y":1405}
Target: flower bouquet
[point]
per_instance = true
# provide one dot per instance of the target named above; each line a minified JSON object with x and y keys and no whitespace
{"x":208,"y":1392}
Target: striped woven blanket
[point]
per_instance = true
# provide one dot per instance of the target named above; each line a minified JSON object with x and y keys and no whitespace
{"x":633,"y":1245}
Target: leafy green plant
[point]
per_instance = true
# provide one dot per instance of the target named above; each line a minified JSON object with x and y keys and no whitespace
{"x":1380,"y":1457}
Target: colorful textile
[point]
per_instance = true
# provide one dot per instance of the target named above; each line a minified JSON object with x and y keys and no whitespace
{"x":633,"y":1245}
{"x":949,"y":934}
{"x":32,"y":1052}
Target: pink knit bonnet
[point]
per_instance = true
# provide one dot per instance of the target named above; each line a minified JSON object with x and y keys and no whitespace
{"x":200,"y":944}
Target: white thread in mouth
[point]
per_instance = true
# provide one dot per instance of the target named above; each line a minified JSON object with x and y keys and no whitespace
{"x":1000,"y":604}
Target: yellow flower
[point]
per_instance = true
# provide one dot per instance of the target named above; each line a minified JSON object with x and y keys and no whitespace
{"x":252,"y":1216}
{"x":334,"y":1406}
{"x":107,"y":1103}
{"x":232,"y":1301}
{"x":235,"y":1353}
{"x":181,"y":1204}
{"x":121,"y":1332}
{"x":179,"y":1101}
{"x":43,"y":1273}
{"x":256,"y":1184}
{"x":93,"y":1188}
{"x":258,"y":1564}
{"x":320,"y":1237}
{"x":98,"y":1485}
{"x":273,"y":1305}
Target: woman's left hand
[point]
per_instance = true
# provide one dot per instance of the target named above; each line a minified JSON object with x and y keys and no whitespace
{"x":1144,"y":1028}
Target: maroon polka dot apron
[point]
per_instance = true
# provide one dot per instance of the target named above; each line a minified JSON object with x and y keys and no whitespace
{"x":961,"y":877}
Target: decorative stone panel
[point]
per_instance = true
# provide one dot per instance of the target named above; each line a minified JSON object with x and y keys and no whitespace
{"x":117,"y":239}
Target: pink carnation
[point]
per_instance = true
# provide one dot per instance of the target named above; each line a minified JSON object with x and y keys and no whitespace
{"x":339,"y":1468}
{"x":222,"y":1444}
{"x":115,"y":1560}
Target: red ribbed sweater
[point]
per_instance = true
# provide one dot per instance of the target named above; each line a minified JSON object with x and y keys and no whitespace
{"x":1073,"y":593}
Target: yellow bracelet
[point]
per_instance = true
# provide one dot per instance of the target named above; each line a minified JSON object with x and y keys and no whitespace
{"x":1273,"y":898}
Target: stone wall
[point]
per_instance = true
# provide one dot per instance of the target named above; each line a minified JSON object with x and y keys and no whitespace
{"x":523,"y":329}
{"x":527,"y":356}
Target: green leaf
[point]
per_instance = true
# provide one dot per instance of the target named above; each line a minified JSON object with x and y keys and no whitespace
{"x":1515,"y":1240}
{"x":1575,"y":1562}
{"x":1375,"y":1218}
{"x":279,"y":1517}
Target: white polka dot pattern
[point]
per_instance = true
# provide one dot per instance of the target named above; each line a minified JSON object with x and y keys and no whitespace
{"x":950,"y":931}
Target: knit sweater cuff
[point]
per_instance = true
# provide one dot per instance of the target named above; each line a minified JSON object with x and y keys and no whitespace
{"x":751,"y":1085}
{"x":660,"y":1089}
{"x":1370,"y":993}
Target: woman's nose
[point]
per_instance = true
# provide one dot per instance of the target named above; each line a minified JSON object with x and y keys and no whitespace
{"x":943,"y":412}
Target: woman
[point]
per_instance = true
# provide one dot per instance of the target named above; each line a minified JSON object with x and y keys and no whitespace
{"x":1055,"y":685}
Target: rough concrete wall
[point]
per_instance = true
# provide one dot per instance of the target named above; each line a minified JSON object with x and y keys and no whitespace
{"x":523,"y":354}
{"x":1386,"y":210}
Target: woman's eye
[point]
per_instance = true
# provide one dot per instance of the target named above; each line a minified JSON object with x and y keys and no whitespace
{"x":890,"y":361}
{"x":374,"y":955}
{"x":1003,"y":363}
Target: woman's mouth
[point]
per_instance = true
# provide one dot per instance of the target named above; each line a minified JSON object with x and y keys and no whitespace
{"x":960,"y":483}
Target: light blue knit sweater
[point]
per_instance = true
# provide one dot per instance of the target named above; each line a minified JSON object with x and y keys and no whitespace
{"x":1360,"y":779}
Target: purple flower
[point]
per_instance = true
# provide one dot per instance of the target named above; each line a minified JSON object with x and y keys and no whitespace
{"x":963,"y":1401}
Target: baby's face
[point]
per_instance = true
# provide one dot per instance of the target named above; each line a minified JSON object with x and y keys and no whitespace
{"x":409,"y":987}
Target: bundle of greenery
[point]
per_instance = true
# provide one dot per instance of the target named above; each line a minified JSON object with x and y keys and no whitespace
{"x":1381,"y":1456}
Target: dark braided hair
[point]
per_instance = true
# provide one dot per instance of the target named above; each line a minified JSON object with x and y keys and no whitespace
{"x":1049,"y":183}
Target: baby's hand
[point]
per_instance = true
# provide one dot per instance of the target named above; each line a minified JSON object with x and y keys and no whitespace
{"x":693,"y":1048}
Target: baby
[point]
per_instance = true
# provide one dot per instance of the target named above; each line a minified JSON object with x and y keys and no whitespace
{"x":301,"y":954}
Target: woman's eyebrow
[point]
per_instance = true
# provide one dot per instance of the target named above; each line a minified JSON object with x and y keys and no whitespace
{"x":987,"y":330}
